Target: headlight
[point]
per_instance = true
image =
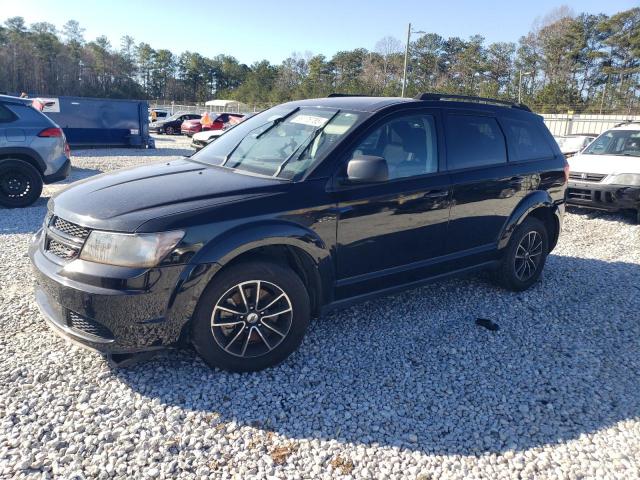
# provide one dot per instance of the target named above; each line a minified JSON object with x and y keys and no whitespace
{"x":129,"y":250}
{"x":631,"y":179}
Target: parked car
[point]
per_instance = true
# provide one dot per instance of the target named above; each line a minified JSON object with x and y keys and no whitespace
{"x":606,"y":174}
{"x":156,"y":114}
{"x":33,"y":151}
{"x":305,"y":207}
{"x":572,"y":144}
{"x":218,"y":122}
{"x":171,"y":125}
{"x":204,"y":138}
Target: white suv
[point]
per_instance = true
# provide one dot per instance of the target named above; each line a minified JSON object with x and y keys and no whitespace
{"x":606,"y":174}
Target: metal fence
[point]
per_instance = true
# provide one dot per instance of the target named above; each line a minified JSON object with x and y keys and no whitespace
{"x":557,"y":123}
{"x":565,"y":124}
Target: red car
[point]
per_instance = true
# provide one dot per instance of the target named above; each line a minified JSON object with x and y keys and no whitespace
{"x":220,"y":120}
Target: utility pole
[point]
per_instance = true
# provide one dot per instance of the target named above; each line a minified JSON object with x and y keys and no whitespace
{"x":406,"y":60}
{"x":604,"y":93}
{"x":520,"y":84}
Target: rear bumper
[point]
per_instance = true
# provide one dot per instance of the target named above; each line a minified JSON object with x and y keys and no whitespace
{"x":60,"y":174}
{"x":603,"y":196}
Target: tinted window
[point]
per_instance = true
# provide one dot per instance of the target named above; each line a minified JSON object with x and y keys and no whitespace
{"x":6,"y":115}
{"x":408,"y":144}
{"x":474,"y":141}
{"x":527,"y":141}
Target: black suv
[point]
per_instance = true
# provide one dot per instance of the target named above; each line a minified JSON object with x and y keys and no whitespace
{"x":307,"y":206}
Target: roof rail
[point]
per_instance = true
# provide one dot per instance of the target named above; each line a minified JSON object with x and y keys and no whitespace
{"x":465,"y":98}
{"x":626,"y":122}
{"x":335,"y":95}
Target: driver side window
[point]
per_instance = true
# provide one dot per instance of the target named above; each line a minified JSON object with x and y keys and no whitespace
{"x":408,"y":144}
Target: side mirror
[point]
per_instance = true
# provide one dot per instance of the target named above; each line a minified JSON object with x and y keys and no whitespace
{"x":367,"y":169}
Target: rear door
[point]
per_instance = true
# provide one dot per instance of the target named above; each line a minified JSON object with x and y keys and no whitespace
{"x":485,"y":190}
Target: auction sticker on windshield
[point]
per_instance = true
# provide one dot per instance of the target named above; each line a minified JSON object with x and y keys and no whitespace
{"x":310,"y":120}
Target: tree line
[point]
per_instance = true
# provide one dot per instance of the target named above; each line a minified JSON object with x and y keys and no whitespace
{"x":581,"y":62}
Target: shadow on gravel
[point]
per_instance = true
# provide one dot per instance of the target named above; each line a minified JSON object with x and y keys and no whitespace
{"x":414,"y":371}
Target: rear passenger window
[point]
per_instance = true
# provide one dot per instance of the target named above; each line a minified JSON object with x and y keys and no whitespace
{"x":474,"y":141}
{"x":6,"y":115}
{"x":526,"y":140}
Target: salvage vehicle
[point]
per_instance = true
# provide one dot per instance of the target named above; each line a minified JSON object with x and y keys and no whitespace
{"x":606,"y":174}
{"x":33,"y":151}
{"x":572,"y":144}
{"x":171,"y":125}
{"x":303,"y":208}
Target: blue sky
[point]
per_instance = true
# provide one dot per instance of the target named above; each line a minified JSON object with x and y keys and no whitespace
{"x":253,"y":30}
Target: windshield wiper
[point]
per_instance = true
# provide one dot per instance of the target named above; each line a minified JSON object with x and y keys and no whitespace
{"x":275,"y":122}
{"x":307,"y":143}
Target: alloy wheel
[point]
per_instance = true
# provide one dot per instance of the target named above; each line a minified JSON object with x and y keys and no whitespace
{"x":528,"y":256}
{"x":251,"y":318}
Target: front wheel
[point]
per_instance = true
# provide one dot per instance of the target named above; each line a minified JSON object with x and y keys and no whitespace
{"x":20,"y":183}
{"x":525,"y":256}
{"x":250,"y":317}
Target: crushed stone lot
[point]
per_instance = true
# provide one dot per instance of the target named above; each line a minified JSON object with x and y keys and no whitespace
{"x":406,"y":386}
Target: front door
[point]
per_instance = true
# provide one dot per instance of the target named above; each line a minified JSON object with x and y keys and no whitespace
{"x":387,"y":231}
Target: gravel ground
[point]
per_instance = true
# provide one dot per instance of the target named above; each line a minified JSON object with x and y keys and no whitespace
{"x":401,"y":387}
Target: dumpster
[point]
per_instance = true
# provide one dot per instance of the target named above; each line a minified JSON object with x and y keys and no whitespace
{"x":99,"y":122}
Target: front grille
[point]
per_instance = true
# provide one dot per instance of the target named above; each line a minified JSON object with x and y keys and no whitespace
{"x":586,"y":177}
{"x":594,"y":196}
{"x":70,"y":229}
{"x":61,"y":250}
{"x":87,"y":325}
{"x":64,"y":239}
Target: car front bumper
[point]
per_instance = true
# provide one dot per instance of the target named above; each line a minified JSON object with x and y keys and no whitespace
{"x":114,"y":310}
{"x":603,"y":196}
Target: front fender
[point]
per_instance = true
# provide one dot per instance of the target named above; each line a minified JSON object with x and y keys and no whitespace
{"x":227,"y":245}
{"x":536,"y":199}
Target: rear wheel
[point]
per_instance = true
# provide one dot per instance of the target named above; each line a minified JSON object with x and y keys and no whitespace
{"x":525,"y":256}
{"x":20,"y":183}
{"x":250,"y":317}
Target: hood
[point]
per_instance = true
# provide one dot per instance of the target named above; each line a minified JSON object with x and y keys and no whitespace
{"x":125,"y":199}
{"x":604,"y":164}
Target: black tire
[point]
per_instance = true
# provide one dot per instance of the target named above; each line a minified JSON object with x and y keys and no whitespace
{"x":638,"y":216}
{"x":20,"y":183}
{"x":169,"y":131}
{"x":510,"y":273}
{"x":209,"y":340}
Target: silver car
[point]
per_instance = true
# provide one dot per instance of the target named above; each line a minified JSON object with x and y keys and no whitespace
{"x":33,"y":151}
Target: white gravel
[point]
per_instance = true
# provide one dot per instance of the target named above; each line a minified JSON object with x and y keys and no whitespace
{"x":401,"y":387}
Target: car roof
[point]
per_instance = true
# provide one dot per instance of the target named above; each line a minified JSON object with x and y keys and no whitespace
{"x":634,"y":125}
{"x":374,"y":104}
{"x":15,"y":100}
{"x":361,"y":104}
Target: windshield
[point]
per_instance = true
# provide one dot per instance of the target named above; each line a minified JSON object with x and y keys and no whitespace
{"x":282,"y":142}
{"x":616,"y":142}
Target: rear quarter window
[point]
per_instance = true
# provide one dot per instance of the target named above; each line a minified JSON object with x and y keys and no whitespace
{"x":474,"y":141}
{"x":6,"y":115}
{"x":526,"y":140}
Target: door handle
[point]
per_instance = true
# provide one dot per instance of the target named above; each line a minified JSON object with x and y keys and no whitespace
{"x":437,"y":194}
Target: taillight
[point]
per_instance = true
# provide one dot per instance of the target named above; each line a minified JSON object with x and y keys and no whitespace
{"x":51,"y":132}
{"x":566,"y":171}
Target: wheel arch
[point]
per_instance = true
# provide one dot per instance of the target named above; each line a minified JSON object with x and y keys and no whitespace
{"x":540,"y":205}
{"x":25,"y":154}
